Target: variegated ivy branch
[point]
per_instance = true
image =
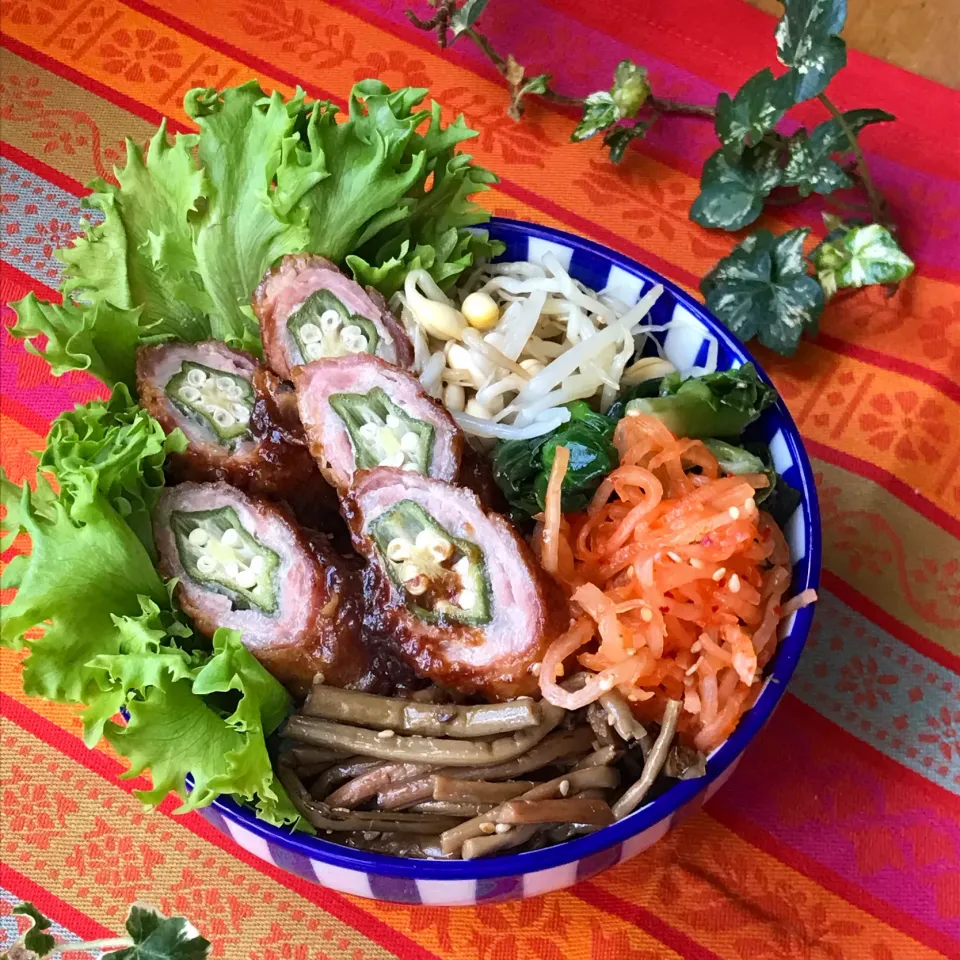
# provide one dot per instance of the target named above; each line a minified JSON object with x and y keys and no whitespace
{"x":764,"y":288}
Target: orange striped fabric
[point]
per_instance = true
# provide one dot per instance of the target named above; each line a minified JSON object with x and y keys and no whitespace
{"x":839,"y":836}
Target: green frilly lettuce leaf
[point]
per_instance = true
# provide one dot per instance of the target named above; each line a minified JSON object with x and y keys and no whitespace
{"x":111,"y":637}
{"x":194,"y":222}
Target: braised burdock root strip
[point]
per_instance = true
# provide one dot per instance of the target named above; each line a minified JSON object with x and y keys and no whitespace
{"x":359,"y":412}
{"x":456,"y":591}
{"x":242,"y":562}
{"x":309,"y":310}
{"x":241,"y":426}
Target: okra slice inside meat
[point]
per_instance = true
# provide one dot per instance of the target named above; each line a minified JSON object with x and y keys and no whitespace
{"x":220,"y":400}
{"x":323,"y":327}
{"x":382,"y":434}
{"x":444,"y":577}
{"x":215,"y":549}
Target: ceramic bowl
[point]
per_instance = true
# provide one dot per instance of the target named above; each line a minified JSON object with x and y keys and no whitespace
{"x":511,"y":876}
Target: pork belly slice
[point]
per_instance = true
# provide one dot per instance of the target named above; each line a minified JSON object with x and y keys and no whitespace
{"x":359,"y":412}
{"x":451,"y":586}
{"x":308,"y":310}
{"x":242,"y":562}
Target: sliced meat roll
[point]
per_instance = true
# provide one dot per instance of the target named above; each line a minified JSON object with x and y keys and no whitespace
{"x":308,"y":310}
{"x":242,"y":562}
{"x":454,"y":588}
{"x":241,"y":425}
{"x":360,"y":412}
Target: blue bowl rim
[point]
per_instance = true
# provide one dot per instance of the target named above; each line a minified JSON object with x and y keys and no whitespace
{"x":677,"y":796}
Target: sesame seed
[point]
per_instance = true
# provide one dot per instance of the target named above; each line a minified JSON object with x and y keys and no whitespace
{"x":631,"y":652}
{"x":487,"y":827}
{"x":734,"y":512}
{"x":734,"y":584}
{"x":503,"y":828}
{"x":692,"y":670}
{"x":385,"y":734}
{"x":675,"y":557}
{"x":633,"y":698}
{"x":606,"y":684}
{"x":696,"y":563}
{"x":535,"y":668}
{"x":749,"y":504}
{"x":695,"y":647}
{"x":646,"y":614}
{"x":718,"y":575}
{"x":633,"y":413}
{"x":564,"y":788}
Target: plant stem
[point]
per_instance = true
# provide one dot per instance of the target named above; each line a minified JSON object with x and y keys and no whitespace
{"x":877,"y":203}
{"x":109,"y":943}
{"x":677,"y":106}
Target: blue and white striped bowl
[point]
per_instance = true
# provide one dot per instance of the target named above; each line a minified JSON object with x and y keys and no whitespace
{"x":512,"y":876}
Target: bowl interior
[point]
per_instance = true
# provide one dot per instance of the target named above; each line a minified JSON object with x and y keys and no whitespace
{"x":694,"y":337}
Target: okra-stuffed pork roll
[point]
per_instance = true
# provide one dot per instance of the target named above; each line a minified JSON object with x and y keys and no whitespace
{"x":308,"y":309}
{"x":242,"y":562}
{"x":360,"y":412}
{"x":454,"y":588}
{"x":240,"y":425}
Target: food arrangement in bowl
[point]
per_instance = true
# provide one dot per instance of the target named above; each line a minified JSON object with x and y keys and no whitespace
{"x":430,"y":561}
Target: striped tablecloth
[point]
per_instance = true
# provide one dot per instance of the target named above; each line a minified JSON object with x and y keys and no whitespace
{"x":839,"y":834}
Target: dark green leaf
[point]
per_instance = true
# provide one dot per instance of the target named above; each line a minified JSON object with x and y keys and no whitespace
{"x":599,"y":112}
{"x":646,"y":388}
{"x":861,"y":256}
{"x":732,"y":196}
{"x":156,"y":937}
{"x":466,"y":16}
{"x":755,"y":109}
{"x":718,"y":404}
{"x":753,"y":458}
{"x":630,"y":89}
{"x":807,"y":41}
{"x":35,"y":939}
{"x":619,"y":138}
{"x":522,"y":467}
{"x":762,"y":289}
{"x":810,"y":166}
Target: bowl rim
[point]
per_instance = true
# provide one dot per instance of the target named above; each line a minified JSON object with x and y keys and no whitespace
{"x":683,"y":792}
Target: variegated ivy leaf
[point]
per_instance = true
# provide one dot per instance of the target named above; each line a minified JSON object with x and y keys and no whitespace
{"x":762,"y":289}
{"x":810,"y":167}
{"x":861,"y":256}
{"x":466,"y":16}
{"x":619,"y":138}
{"x":731,"y":196}
{"x":807,"y":41}
{"x":599,"y":112}
{"x":755,"y":109}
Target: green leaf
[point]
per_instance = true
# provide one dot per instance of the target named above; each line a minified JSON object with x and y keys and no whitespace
{"x":156,"y":937}
{"x":599,"y":112}
{"x":630,"y":89}
{"x":120,"y":450}
{"x":620,"y":138}
{"x":732,"y":196}
{"x":180,"y":727}
{"x":721,"y":404}
{"x":85,"y":565}
{"x":522,"y":468}
{"x":807,"y":41}
{"x":762,"y":289}
{"x":863,"y":255}
{"x":141,"y":256}
{"x":810,"y":166}
{"x":755,"y":109}
{"x":99,"y":339}
{"x":246,"y":141}
{"x":35,"y":942}
{"x":466,"y":16}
